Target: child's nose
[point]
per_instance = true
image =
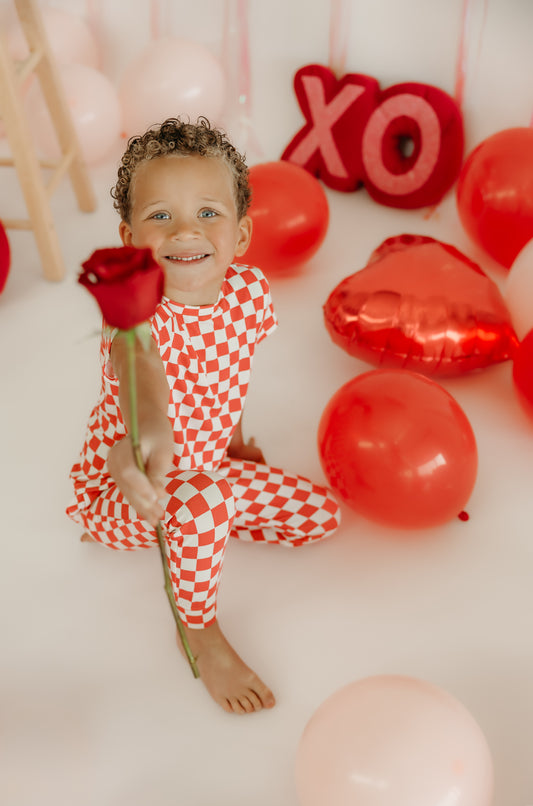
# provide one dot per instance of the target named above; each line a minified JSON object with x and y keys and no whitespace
{"x":184,"y":228}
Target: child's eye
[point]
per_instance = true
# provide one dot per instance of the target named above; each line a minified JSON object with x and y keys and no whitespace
{"x":208,"y":214}
{"x":160,"y":216}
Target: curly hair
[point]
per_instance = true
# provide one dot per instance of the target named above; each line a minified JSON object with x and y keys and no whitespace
{"x":175,"y":136}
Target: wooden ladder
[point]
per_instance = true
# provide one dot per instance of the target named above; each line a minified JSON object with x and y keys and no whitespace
{"x":29,"y":168}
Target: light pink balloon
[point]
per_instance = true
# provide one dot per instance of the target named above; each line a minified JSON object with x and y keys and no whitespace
{"x":69,"y":37}
{"x":393,"y":741}
{"x":94,"y":107}
{"x":171,"y":77}
{"x":518,"y":291}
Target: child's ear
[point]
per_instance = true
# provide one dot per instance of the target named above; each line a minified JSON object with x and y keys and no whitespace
{"x":245,"y":235}
{"x":126,"y":236}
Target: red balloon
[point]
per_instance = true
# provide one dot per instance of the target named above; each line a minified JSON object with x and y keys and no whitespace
{"x":290,"y":215}
{"x":523,"y":374}
{"x":421,"y":305}
{"x":495,"y":193}
{"x":399,"y":449}
{"x":5,"y":257}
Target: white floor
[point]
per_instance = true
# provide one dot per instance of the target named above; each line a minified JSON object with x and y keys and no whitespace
{"x":98,"y":708}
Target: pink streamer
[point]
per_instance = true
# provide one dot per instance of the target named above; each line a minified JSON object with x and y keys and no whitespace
{"x":236,"y":49}
{"x":93,"y":12}
{"x":339,"y":29}
{"x":93,"y":15}
{"x":460,"y":68}
{"x":155,"y":19}
{"x":465,"y":47}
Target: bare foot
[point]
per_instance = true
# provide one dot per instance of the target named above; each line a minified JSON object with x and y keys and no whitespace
{"x":231,"y":683}
{"x":86,"y":538}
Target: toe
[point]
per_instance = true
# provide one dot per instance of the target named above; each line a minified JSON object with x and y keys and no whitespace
{"x":266,"y":697}
{"x":248,"y":705}
{"x":226,"y":705}
{"x":86,"y":538}
{"x":254,"y":700}
{"x":236,"y":706}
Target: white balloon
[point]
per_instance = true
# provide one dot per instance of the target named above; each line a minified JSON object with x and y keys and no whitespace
{"x":518,"y":291}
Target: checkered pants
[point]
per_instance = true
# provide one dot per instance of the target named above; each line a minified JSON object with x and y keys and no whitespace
{"x":245,"y":500}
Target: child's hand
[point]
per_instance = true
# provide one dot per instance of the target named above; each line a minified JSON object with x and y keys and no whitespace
{"x":248,"y":451}
{"x":142,"y":491}
{"x":156,"y":437}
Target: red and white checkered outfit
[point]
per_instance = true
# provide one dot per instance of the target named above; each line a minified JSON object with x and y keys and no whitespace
{"x":207,"y":353}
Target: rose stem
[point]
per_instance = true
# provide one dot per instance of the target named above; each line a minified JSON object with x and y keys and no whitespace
{"x":134,"y":433}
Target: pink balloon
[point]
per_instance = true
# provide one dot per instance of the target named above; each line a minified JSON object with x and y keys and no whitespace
{"x":94,"y":108}
{"x":171,"y":77}
{"x":398,"y":449}
{"x":69,"y":37}
{"x":393,"y":741}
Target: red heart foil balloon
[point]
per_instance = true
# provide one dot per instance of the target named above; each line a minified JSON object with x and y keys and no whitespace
{"x":420,"y":304}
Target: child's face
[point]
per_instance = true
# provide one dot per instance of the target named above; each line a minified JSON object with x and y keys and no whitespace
{"x":183,"y":209}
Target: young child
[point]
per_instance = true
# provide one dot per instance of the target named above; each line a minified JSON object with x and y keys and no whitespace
{"x":183,"y":191}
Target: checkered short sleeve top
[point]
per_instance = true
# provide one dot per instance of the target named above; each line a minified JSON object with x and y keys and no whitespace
{"x":207,"y":353}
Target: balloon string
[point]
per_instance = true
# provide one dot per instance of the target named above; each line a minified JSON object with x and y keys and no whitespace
{"x":339,"y":28}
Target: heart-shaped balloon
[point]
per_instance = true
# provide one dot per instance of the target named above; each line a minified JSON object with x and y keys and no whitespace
{"x":421,"y":305}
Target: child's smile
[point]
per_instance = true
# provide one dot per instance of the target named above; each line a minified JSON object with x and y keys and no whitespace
{"x":183,"y":259}
{"x":183,"y":208}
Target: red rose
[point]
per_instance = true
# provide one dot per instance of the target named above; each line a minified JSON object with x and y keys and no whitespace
{"x":126,"y":282}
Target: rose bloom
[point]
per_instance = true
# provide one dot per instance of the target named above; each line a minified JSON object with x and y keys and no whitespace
{"x":126,"y":282}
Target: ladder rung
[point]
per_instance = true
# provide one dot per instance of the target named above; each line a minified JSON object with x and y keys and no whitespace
{"x":17,"y":223}
{"x":60,"y":171}
{"x":26,"y":67}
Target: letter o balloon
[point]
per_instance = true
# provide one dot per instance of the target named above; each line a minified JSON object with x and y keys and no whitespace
{"x":426,"y":119}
